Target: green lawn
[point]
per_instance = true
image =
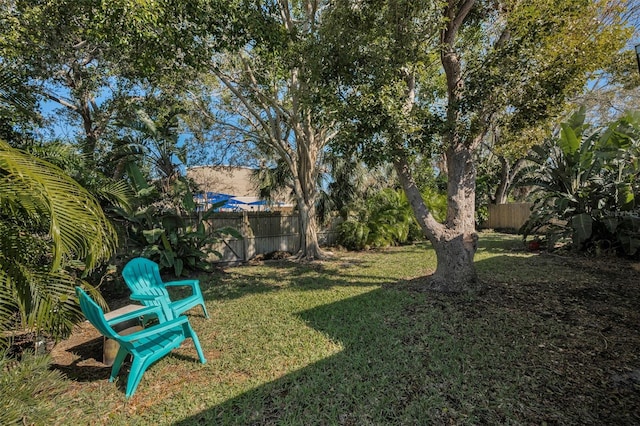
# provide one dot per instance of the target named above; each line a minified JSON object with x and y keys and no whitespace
{"x":351,"y":342}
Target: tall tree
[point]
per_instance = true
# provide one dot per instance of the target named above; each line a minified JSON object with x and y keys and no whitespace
{"x":612,"y":90}
{"x":268,"y":84}
{"x":93,"y":59}
{"x":447,"y":73}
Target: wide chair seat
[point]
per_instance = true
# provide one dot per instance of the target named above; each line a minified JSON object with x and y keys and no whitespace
{"x":148,"y":346}
{"x":142,"y":276}
{"x":145,"y":346}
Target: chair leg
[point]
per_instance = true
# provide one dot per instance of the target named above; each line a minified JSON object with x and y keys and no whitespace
{"x":204,"y":308}
{"x":196,"y":342}
{"x":138,"y":368}
{"x":117,"y":363}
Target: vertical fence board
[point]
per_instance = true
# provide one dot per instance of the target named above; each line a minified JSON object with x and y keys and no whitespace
{"x":508,"y":216}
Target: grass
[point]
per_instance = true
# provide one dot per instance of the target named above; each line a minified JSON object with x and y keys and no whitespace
{"x":349,"y":342}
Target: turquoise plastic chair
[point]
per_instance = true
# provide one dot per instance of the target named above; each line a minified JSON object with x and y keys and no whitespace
{"x":143,"y":279}
{"x":145,"y":346}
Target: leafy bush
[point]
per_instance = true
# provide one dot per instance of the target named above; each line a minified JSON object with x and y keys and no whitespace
{"x":386,"y":219}
{"x":178,"y":244}
{"x":389,"y":218}
{"x":167,"y":229}
{"x":588,"y":187}
{"x":52,"y":231}
{"x":353,"y":234}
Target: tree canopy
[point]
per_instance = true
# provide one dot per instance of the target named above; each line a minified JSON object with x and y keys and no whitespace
{"x":432,"y":75}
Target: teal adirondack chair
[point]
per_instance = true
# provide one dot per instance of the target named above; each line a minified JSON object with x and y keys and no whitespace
{"x":145,"y":346}
{"x":143,"y":279}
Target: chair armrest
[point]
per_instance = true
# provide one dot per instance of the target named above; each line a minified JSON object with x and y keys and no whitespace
{"x":166,"y":312}
{"x":194,"y":284}
{"x":156,"y":329}
{"x":143,"y":297}
{"x":146,"y":310}
{"x":190,"y":283}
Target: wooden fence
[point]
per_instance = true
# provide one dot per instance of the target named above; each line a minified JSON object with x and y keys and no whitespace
{"x":508,"y":216}
{"x":268,"y":232}
{"x":262,"y":233}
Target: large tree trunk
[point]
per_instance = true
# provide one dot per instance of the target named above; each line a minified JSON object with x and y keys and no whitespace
{"x":309,"y":247}
{"x":305,"y":171}
{"x":456,"y":272}
{"x":455,"y":241}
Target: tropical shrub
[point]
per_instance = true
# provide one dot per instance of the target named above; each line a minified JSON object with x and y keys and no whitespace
{"x":587,"y":186}
{"x":353,"y":234}
{"x":385,"y":219}
{"x":52,"y":231}
{"x":176,"y":243}
{"x":389,"y":217}
{"x":163,"y":224}
{"x":166,"y":228}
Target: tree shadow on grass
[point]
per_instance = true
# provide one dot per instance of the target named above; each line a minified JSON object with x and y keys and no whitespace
{"x":534,"y":350}
{"x":343,"y":388}
{"x":303,"y":276}
{"x":314,"y":275}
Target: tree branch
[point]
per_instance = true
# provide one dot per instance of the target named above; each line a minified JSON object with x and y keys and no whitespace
{"x":60,"y":100}
{"x":456,"y":18}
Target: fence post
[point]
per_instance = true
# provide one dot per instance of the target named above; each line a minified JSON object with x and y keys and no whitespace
{"x":245,"y":235}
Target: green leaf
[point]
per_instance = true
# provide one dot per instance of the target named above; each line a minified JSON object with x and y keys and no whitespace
{"x":137,"y":179}
{"x":582,"y":225}
{"x":577,"y":119}
{"x":568,"y":142}
{"x":152,"y":235}
{"x":166,"y":244}
{"x":178,"y":266}
{"x":625,"y":196}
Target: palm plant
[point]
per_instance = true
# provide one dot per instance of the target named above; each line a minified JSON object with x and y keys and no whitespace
{"x":383,"y":219}
{"x":48,"y":223}
{"x":155,"y":143}
{"x":30,"y":392}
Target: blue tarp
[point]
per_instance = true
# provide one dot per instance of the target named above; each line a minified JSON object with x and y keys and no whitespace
{"x":232,"y":203}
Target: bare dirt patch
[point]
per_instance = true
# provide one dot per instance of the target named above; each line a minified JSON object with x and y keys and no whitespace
{"x":80,"y":355}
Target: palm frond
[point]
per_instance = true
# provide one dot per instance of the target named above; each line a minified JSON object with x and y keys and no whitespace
{"x":30,"y":391}
{"x":118,"y":193}
{"x":11,"y":93}
{"x":77,"y":224}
